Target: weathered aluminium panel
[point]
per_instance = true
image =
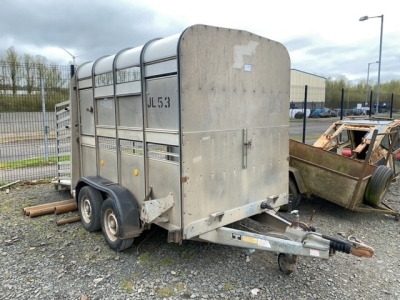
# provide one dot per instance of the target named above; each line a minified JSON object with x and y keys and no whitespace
{"x":88,"y":155}
{"x":234,"y":89}
{"x":162,"y":103}
{"x":107,"y":158}
{"x":105,"y":111}
{"x":86,"y":111}
{"x":132,"y":168}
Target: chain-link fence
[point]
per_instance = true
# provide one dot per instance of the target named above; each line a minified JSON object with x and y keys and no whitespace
{"x":28,"y":94}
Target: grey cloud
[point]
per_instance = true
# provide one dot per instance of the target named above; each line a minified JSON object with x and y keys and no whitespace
{"x":102,"y":27}
{"x":333,"y":61}
{"x":96,"y":27}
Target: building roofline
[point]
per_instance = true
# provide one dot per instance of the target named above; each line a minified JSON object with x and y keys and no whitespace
{"x":308,"y":73}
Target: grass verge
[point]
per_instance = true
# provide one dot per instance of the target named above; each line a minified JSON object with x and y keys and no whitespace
{"x":32,"y":162}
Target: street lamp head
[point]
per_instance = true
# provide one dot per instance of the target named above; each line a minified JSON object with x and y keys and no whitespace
{"x":364,"y":18}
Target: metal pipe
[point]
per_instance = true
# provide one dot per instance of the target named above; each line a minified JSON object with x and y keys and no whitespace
{"x":364,"y":18}
{"x":366,"y":95}
{"x":41,"y":212}
{"x":69,"y":220}
{"x":64,"y":208}
{"x":41,"y":206}
{"x":379,"y":70}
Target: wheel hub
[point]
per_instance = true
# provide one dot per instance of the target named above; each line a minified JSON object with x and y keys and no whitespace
{"x":86,"y":210}
{"x":111,"y":225}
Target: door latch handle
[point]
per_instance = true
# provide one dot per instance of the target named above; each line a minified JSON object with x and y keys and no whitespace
{"x":248,"y":144}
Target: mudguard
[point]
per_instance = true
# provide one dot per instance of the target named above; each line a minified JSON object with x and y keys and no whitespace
{"x":128,"y":211}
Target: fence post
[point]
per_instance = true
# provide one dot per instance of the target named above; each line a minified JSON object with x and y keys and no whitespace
{"x":305,"y":113}
{"x":391,"y":107}
{"x":370,"y":104}
{"x":45,"y":125}
{"x":341,"y":104}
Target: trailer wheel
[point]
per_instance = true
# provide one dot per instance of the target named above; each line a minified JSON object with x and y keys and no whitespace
{"x":378,"y":185}
{"x":110,"y":224}
{"x":89,"y":205}
{"x":287,"y":263}
{"x":293,"y":190}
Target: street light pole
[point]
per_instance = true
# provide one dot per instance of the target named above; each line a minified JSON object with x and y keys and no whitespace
{"x":366,"y":96}
{"x":380,"y":61}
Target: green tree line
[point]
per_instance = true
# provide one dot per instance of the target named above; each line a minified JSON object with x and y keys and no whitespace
{"x":355,"y":93}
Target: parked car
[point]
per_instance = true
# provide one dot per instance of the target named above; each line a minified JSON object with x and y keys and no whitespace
{"x":345,"y":112}
{"x":358,"y":112}
{"x":383,"y":107}
{"x":316,"y":113}
{"x":299,"y":115}
{"x":328,"y":113}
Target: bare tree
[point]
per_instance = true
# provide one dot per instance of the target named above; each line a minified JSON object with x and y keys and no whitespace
{"x":41,"y":68}
{"x":53,"y":78}
{"x":3,"y":76}
{"x":12,"y":61}
{"x":29,"y":72}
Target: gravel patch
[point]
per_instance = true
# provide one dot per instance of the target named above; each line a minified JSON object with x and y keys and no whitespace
{"x":40,"y":260}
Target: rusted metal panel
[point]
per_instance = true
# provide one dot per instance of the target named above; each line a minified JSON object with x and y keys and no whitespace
{"x":329,"y":175}
{"x":340,"y":164}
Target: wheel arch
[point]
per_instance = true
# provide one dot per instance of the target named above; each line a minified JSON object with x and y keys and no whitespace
{"x":296,"y":176}
{"x":125,"y":202}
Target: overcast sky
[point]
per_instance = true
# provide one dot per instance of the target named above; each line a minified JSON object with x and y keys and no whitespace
{"x":325,"y":38}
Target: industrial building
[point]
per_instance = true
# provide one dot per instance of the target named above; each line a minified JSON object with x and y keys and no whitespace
{"x":315,"y":89}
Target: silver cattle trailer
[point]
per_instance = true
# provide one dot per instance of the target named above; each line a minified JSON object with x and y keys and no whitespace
{"x":191,"y":133}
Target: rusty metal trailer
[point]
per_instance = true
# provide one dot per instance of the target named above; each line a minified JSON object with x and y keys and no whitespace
{"x":190,"y":132}
{"x":352,"y":164}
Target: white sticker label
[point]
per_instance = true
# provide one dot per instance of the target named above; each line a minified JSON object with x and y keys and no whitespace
{"x":247,"y":68}
{"x":314,"y":252}
{"x":264,"y":243}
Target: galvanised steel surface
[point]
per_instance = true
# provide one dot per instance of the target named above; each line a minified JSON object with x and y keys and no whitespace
{"x":201,"y":116}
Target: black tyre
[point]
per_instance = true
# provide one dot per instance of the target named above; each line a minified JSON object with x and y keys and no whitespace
{"x":110,"y":224}
{"x":378,"y":185}
{"x":89,"y":206}
{"x":293,"y":190}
